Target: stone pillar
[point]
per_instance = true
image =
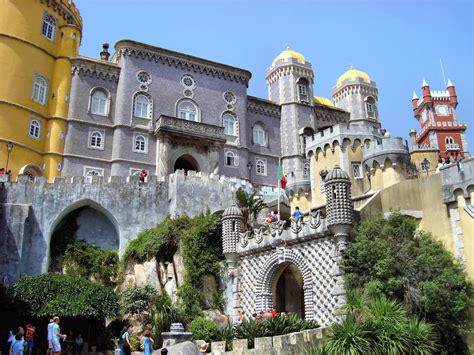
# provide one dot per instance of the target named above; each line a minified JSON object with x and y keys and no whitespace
{"x":163,"y":157}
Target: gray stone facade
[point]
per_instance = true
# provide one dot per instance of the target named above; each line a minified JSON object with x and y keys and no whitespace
{"x":216,"y":90}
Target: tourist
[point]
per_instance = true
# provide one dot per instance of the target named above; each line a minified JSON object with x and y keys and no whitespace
{"x":274,"y":311}
{"x":147,"y":343}
{"x":274,"y":216}
{"x":268,"y":220}
{"x":440,"y":164}
{"x":2,"y":171}
{"x":29,"y":336}
{"x":50,"y":337}
{"x":78,"y":343}
{"x":10,"y":339}
{"x":267,"y":314}
{"x":56,"y":336}
{"x":241,"y":316}
{"x":125,"y":340}
{"x":17,"y":345}
{"x":143,"y":175}
{"x":297,"y":214}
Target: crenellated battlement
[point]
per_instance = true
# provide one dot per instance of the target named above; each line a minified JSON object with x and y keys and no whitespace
{"x":338,"y":134}
{"x":67,"y":9}
{"x":379,"y":150}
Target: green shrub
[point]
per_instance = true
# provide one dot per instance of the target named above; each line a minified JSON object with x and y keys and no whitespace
{"x":203,"y":329}
{"x":159,"y":242}
{"x":65,"y":295}
{"x":389,"y":257}
{"x":82,"y":259}
{"x":137,"y":299}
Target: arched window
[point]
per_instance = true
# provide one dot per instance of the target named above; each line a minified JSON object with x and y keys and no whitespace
{"x":48,"y":27}
{"x":187,"y":110}
{"x":40,"y":89}
{"x":306,"y":169}
{"x":261,"y":167}
{"x":99,"y":103}
{"x":142,"y":106}
{"x":231,"y":158}
{"x":229,"y":124}
{"x":302,"y":87}
{"x":370,"y":106}
{"x":259,"y":135}
{"x":140,"y":143}
{"x":96,"y":140}
{"x":35,"y":128}
{"x":449,"y":140}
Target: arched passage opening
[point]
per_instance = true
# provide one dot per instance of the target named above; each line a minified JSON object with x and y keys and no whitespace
{"x":186,"y":162}
{"x":288,"y":293}
{"x":84,"y":221}
{"x":31,"y":170}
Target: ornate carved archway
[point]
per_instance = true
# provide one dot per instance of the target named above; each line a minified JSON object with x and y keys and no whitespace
{"x":267,"y":275}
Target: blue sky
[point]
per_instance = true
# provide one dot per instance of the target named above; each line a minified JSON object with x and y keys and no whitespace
{"x":398,"y":43}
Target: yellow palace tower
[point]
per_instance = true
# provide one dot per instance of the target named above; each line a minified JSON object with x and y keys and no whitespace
{"x":38,"y":38}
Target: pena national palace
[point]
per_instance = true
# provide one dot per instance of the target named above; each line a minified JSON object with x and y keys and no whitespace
{"x":197,"y":192}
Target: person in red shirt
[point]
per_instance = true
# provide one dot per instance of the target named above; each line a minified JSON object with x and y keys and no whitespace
{"x":30,"y":331}
{"x":143,"y":175}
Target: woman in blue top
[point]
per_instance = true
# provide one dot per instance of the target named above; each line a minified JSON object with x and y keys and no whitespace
{"x":147,"y":342}
{"x":17,"y":345}
{"x":125,"y":340}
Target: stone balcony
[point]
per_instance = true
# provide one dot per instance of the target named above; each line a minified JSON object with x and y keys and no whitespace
{"x":167,"y":125}
{"x":452,"y":146}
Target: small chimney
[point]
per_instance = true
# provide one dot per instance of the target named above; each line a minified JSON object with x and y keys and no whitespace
{"x":104,"y":55}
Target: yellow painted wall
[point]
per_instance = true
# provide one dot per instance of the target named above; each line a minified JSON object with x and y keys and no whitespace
{"x":24,"y":52}
{"x":417,"y":157}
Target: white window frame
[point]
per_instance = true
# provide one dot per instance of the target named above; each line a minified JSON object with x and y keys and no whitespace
{"x":106,"y":103}
{"x":134,"y":147}
{"x":357,"y":167}
{"x":259,"y":128}
{"x":186,"y":114}
{"x":38,"y":133}
{"x":88,"y":169}
{"x":92,"y":131}
{"x":306,"y":168}
{"x":449,"y":140}
{"x":235,"y":158}
{"x":234,"y":124}
{"x":39,"y":92}
{"x":370,"y":107}
{"x":149,"y":108}
{"x":48,"y":26}
{"x":259,"y":162}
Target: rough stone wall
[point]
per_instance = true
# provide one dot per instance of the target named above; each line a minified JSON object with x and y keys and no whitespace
{"x":30,"y":211}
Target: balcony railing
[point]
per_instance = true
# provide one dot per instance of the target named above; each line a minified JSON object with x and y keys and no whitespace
{"x":452,"y":146}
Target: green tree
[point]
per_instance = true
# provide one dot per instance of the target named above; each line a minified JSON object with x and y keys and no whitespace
{"x":389,"y":257}
{"x":65,"y":295}
{"x":250,"y":204}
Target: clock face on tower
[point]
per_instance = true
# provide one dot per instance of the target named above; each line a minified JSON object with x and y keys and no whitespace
{"x":442,"y":110}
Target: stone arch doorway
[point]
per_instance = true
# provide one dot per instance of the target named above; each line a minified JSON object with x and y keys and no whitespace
{"x":186,"y":162}
{"x":270,"y":275}
{"x":84,"y":220}
{"x":31,"y":170}
{"x":287,"y":289}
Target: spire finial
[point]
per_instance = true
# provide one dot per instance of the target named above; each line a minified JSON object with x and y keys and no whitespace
{"x":450,"y":83}
{"x":351,"y":66}
{"x":287,"y":46}
{"x":424,"y":83}
{"x":415,"y":97}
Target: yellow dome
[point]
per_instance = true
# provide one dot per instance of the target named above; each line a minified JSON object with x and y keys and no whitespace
{"x":287,"y":54}
{"x":323,"y":101}
{"x":352,"y":74}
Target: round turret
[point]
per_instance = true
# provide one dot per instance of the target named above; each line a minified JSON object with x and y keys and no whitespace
{"x":339,"y":207}
{"x":232,"y":226}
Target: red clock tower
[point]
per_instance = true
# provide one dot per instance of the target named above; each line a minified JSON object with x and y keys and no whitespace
{"x":440,"y":129}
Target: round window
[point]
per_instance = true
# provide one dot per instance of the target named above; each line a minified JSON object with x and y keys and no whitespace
{"x":188,"y":81}
{"x":144,"y":78}
{"x":229,"y":97}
